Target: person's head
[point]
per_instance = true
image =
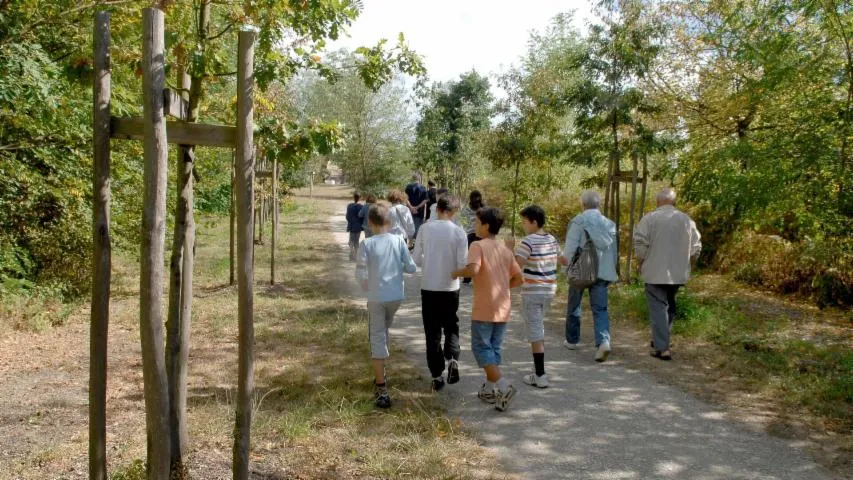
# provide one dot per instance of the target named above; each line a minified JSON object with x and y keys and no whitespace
{"x":475,"y":200}
{"x":590,"y":200}
{"x":431,"y":184}
{"x":396,"y":196}
{"x":415,"y":178}
{"x":666,"y":197}
{"x":447,"y":204}
{"x":379,"y":217}
{"x":489,"y":222}
{"x":371,"y":198}
{"x":356,"y":197}
{"x":532,"y":218}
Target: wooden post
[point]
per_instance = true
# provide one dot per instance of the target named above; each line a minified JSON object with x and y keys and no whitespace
{"x":180,"y":299}
{"x":274,"y":233}
{"x":231,"y":224}
{"x":153,"y":238}
{"x":645,"y":179}
{"x":102,"y":256}
{"x":311,"y":190}
{"x":616,"y":219}
{"x":631,"y":221}
{"x":245,"y":197}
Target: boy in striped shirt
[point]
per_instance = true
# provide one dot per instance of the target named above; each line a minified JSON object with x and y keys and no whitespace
{"x":537,"y":256}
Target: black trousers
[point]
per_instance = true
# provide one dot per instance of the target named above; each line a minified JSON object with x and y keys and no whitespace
{"x":439,"y":315}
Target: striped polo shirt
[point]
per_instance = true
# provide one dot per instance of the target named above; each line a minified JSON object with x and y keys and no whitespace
{"x":540,"y":269}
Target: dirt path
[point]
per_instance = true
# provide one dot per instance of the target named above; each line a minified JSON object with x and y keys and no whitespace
{"x":597,"y":421}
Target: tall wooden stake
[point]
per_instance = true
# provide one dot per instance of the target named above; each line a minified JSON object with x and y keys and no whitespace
{"x":274,"y":233}
{"x":645,"y":180}
{"x":153,"y":238}
{"x":245,"y":197}
{"x":102,"y":256}
{"x":231,"y":224}
{"x":631,"y":221}
{"x":180,"y":298}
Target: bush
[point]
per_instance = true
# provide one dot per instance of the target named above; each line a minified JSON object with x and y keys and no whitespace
{"x":818,"y":269}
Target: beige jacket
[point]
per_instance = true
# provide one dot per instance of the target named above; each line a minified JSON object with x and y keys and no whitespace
{"x":665,"y":241}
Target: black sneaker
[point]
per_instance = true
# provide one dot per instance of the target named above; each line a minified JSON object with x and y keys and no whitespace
{"x":383,"y":400}
{"x":452,"y":371}
{"x":437,"y":383}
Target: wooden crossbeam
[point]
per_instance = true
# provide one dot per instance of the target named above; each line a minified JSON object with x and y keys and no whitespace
{"x":263,"y":174}
{"x":181,"y":133}
{"x":626,"y":178}
{"x":174,"y":105}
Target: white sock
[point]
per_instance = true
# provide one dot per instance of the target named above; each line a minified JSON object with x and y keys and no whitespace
{"x":503,"y":384}
{"x":440,"y":378}
{"x":490,"y":387}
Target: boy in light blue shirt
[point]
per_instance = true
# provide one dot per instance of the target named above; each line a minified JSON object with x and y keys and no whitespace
{"x":380,"y":264}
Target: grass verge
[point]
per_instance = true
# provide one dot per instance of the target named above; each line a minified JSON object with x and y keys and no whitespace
{"x":780,"y":356}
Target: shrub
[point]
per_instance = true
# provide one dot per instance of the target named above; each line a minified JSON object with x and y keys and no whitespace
{"x":821,"y":269}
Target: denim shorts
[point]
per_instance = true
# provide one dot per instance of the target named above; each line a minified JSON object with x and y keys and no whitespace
{"x":486,"y":341}
{"x":534,"y":307}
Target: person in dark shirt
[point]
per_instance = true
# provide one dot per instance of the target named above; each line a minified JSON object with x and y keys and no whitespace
{"x":354,"y":225}
{"x":417,"y":194}
{"x":432,"y":198}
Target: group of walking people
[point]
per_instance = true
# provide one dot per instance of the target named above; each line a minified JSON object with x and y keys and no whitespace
{"x":665,"y":241}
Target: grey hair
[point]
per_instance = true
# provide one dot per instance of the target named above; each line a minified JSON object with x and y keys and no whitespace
{"x":667,"y":196}
{"x":590,"y":199}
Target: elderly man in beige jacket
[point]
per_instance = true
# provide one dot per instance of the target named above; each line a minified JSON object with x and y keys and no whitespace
{"x":666,"y":242}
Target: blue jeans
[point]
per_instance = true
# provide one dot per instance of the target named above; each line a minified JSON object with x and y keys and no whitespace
{"x":486,"y":341}
{"x":418,"y":219}
{"x":600,"y":319}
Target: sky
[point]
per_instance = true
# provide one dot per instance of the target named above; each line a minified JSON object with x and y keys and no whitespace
{"x":455,"y":36}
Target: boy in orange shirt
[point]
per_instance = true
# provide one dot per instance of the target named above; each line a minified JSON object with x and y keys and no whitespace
{"x":494,"y":270}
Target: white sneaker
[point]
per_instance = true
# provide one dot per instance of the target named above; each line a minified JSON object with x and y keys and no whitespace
{"x":571,"y":346}
{"x":536,"y":381}
{"x":602,"y":352}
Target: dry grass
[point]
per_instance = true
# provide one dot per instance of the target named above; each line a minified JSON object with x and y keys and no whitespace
{"x":314,"y":414}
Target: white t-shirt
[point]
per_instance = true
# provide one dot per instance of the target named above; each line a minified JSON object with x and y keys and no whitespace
{"x":440,"y":248}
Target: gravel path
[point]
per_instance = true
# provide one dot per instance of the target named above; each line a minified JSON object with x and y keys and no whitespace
{"x":596,"y":421}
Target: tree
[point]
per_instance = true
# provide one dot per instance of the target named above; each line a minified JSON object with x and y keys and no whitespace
{"x":452,"y":114}
{"x":377,"y":123}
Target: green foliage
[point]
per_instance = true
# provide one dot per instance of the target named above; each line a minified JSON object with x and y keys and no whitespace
{"x":452,"y":116}
{"x":133,"y":471}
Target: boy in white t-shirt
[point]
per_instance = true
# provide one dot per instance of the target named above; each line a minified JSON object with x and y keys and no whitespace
{"x":441,"y":247}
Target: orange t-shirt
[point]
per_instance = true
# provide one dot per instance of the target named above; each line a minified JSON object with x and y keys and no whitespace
{"x":491,"y":284}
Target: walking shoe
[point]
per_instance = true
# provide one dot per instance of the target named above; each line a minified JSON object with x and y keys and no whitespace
{"x":486,"y":395}
{"x":602,"y":352}
{"x":571,"y":346}
{"x":452,"y":371}
{"x":503,"y":398}
{"x":383,"y":400}
{"x":536,"y":381}
{"x":437,"y":383}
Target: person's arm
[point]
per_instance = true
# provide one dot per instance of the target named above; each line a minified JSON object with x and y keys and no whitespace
{"x":418,"y":253}
{"x":361,"y":272}
{"x":522,"y":253}
{"x":406,"y":259}
{"x":695,"y":241}
{"x":516,"y":279}
{"x":641,"y":239}
{"x":474,"y":263}
{"x":408,"y":224}
{"x":573,"y":241}
{"x":461,"y":249}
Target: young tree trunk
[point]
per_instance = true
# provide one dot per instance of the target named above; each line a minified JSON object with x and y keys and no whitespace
{"x":245,"y":194}
{"x":515,"y":194}
{"x":180,"y":299}
{"x":274,"y":231}
{"x":645,"y":182}
{"x":231,"y":225}
{"x":102,"y":255}
{"x":631,"y":221}
{"x":153,"y":238}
